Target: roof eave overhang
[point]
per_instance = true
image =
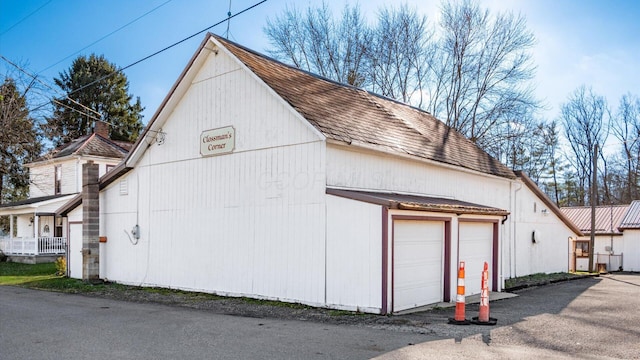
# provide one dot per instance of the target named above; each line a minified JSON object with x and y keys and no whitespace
{"x":65,"y":209}
{"x":458,"y":210}
{"x":163,"y":111}
{"x":403,"y":205}
{"x":104,"y":181}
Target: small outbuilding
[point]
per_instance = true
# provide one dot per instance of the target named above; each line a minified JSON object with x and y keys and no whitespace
{"x":257,"y":179}
{"x":616,"y":237}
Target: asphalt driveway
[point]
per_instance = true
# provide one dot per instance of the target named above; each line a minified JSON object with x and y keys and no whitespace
{"x":586,"y":318}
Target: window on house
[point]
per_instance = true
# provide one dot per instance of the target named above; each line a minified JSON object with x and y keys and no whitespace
{"x":110,"y":167}
{"x":582,"y":248}
{"x":58,"y":180}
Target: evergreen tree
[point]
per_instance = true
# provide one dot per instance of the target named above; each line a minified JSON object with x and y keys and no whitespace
{"x":20,"y":143}
{"x":94,"y":83}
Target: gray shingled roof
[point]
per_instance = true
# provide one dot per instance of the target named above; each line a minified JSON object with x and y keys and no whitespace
{"x":33,"y":200}
{"x":355,"y":116}
{"x":91,"y":145}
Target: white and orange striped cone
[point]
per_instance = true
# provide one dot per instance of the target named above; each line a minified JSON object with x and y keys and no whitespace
{"x":483,"y":313}
{"x":459,"y":317}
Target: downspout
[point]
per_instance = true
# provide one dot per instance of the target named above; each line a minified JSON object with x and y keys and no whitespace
{"x":570,"y":252}
{"x":514,"y":219}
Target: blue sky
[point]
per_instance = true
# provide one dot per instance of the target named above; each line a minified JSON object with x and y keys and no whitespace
{"x":591,"y":42}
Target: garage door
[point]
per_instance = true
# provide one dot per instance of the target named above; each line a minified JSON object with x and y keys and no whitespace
{"x":74,"y":260}
{"x":417,"y":263}
{"x":476,"y":247}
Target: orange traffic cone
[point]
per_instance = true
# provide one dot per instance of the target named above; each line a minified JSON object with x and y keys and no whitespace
{"x":459,"y":317}
{"x":483,"y":314}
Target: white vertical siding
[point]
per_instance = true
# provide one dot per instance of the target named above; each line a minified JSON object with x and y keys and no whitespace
{"x":354,"y":254}
{"x":378,"y":172}
{"x":631,"y":250}
{"x":602,"y":242}
{"x":246,"y":223}
{"x":550,"y":251}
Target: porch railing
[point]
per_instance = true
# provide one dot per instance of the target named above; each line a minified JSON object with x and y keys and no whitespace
{"x":44,"y":245}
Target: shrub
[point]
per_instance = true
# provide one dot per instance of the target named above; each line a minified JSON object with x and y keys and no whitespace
{"x":61,"y":266}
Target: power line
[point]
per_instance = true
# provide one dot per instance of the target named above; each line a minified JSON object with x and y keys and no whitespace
{"x":167,"y":48}
{"x":25,"y":18}
{"x":34,"y":77}
{"x":106,"y":36}
{"x":126,"y":67}
{"x":76,"y":110}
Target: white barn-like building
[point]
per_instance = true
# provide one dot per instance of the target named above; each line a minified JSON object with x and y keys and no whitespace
{"x":257,"y":179}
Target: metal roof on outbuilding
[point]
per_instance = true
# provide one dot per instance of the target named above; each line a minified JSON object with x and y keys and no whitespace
{"x":631,"y":219}
{"x":608,"y":218}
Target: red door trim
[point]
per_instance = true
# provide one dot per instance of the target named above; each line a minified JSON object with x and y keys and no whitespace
{"x":494,"y":245}
{"x":385,"y":254}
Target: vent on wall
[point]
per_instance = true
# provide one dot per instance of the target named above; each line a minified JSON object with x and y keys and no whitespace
{"x":124,"y":187}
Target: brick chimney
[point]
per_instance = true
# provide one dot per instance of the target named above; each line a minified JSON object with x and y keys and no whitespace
{"x":90,"y":223}
{"x":101,"y":128}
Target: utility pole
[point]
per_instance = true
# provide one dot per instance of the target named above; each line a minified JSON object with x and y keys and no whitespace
{"x":594,"y":196}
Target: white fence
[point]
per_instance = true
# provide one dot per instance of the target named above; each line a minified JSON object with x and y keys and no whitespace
{"x":32,"y":246}
{"x":613,"y":262}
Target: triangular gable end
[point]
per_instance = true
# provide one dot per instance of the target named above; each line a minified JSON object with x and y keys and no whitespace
{"x":306,"y":123}
{"x":184,"y":82}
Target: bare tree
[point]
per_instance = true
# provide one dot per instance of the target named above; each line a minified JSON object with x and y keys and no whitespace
{"x":19,"y":141}
{"x":483,"y":72}
{"x":626,"y":128}
{"x":400,"y":51}
{"x":473,"y":71}
{"x":315,"y":42}
{"x":585,"y":118}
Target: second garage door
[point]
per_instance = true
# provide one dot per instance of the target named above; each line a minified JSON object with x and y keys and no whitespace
{"x":417,"y":263}
{"x":476,"y":247}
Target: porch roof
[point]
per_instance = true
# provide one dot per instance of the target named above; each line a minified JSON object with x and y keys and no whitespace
{"x":417,"y":202}
{"x":33,"y":200}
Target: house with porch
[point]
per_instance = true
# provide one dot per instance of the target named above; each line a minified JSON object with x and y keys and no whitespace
{"x":257,"y":179}
{"x":35,"y":233}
